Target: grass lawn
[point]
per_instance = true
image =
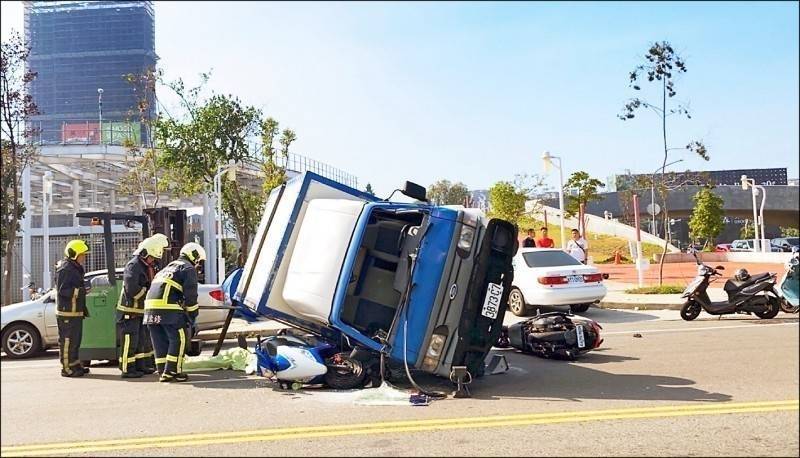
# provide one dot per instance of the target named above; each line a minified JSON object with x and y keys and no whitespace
{"x":663,"y":289}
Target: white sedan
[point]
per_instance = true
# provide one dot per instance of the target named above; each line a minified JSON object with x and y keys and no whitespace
{"x":30,"y":327}
{"x":549,"y":276}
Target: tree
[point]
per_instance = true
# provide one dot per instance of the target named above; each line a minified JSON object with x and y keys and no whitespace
{"x":790,"y":232}
{"x":707,"y":220}
{"x":214,"y":133}
{"x":369,"y":190}
{"x":662,"y":65}
{"x":586,"y":187}
{"x":506,"y":202}
{"x":144,"y":174}
{"x":748,"y":231}
{"x":443,"y":192}
{"x":16,"y":108}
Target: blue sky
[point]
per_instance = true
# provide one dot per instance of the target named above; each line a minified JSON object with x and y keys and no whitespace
{"x":475,"y":92}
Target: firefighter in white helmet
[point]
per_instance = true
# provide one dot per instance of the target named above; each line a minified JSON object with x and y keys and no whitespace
{"x":136,"y":351}
{"x":171,"y":308}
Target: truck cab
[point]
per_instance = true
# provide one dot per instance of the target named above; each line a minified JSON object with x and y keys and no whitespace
{"x":424,"y":285}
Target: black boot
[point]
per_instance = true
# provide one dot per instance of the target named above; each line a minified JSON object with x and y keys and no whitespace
{"x":132,"y":374}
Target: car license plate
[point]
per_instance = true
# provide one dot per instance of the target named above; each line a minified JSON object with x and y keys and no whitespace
{"x":491,"y":305}
{"x":574,"y":278}
{"x":581,"y":338}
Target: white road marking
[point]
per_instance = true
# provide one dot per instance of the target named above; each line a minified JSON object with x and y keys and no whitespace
{"x":708,"y":328}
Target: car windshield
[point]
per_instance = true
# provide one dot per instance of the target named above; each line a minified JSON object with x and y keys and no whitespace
{"x":793,"y":241}
{"x":549,"y":259}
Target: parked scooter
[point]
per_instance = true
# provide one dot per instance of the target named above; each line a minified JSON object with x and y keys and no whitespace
{"x":790,"y":284}
{"x":557,"y":335}
{"x":747,"y":293}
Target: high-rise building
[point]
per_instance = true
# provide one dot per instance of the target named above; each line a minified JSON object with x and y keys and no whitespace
{"x":79,"y":48}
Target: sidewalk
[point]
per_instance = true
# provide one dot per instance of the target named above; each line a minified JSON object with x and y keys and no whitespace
{"x":616,"y":298}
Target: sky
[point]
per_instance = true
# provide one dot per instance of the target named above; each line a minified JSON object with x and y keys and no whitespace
{"x":475,"y":92}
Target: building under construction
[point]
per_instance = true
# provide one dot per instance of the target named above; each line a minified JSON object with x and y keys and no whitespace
{"x":82,"y":51}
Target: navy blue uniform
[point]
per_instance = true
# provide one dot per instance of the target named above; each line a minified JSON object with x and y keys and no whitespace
{"x":136,"y":351}
{"x":170,"y":308}
{"x":70,"y":312}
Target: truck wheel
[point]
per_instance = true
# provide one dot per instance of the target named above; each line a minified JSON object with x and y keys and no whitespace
{"x":345,"y":374}
{"x":579,"y":308}
{"x":516,"y":302}
{"x":690,"y":310}
{"x":771,"y":312}
{"x":21,"y":340}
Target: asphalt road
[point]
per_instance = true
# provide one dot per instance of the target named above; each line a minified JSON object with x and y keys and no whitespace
{"x":707,"y":387}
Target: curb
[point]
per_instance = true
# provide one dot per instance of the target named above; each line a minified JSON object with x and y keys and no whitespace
{"x":638,"y":306}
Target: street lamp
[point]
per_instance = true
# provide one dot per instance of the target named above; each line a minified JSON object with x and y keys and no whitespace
{"x":547,"y":159}
{"x":100,"y":110}
{"x":230,"y":168}
{"x":653,"y":196}
{"x":758,"y":219}
{"x":47,"y":193}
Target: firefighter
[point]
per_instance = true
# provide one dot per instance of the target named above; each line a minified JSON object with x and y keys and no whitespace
{"x":171,"y":309}
{"x":71,"y":307}
{"x":146,"y":358}
{"x":136,"y":352}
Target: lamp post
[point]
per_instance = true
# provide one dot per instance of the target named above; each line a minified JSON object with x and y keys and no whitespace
{"x":547,"y":158}
{"x":231,"y":169}
{"x":47,"y":192}
{"x":100,"y":111}
{"x":758,"y":219}
{"x":653,"y":195}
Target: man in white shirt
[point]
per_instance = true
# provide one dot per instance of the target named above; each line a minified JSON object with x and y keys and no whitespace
{"x":578,"y":247}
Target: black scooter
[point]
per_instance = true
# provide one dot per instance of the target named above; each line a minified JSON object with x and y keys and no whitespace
{"x":756,"y":295}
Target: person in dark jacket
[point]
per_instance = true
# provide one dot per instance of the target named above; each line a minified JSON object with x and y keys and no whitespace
{"x":136,"y":352}
{"x":529,"y":241}
{"x":71,"y":307}
{"x":170,"y":309}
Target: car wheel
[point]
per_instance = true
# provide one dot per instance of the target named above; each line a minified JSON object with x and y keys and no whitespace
{"x":21,"y":340}
{"x":579,"y":308}
{"x":516,"y":302}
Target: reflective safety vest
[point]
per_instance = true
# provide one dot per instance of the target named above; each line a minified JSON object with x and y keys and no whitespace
{"x":174,"y":289}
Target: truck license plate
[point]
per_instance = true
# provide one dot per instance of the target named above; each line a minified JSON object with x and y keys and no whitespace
{"x":491,"y":305}
{"x":581,"y":338}
{"x":574,"y":278}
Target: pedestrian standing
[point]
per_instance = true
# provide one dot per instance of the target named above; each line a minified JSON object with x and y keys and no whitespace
{"x":578,"y":247}
{"x":71,"y":307}
{"x":136,"y":351}
{"x":529,"y":242}
{"x":170,"y":310}
{"x":544,"y":241}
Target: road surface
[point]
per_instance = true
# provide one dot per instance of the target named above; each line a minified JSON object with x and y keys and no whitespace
{"x":707,"y":387}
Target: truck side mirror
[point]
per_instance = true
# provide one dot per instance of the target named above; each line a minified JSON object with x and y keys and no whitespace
{"x":415,"y":191}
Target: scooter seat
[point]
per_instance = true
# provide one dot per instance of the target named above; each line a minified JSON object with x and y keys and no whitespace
{"x":734,"y":285}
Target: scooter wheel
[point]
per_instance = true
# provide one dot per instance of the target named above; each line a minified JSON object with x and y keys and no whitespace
{"x":774,"y":308}
{"x":690,"y":310}
{"x":346,"y":375}
{"x":789,"y":308}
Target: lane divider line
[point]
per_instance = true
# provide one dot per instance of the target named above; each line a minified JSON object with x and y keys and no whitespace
{"x":310,"y":432}
{"x":707,"y":328}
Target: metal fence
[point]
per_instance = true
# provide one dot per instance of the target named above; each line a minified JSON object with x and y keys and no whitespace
{"x":124,"y":244}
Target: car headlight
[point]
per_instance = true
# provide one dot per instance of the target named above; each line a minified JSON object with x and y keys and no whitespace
{"x":434,"y":353}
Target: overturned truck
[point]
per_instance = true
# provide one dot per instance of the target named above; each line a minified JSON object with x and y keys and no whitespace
{"x":370,"y":280}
